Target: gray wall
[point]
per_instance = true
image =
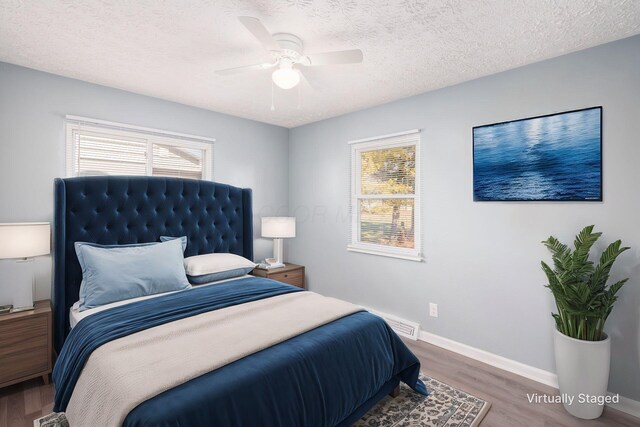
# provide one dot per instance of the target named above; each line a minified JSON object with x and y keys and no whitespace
{"x":32,"y":147}
{"x":482,"y":259}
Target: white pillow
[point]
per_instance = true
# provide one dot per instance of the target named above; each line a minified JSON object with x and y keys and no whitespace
{"x":213,"y":267}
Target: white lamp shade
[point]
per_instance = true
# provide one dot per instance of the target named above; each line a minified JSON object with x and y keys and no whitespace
{"x":25,"y":240}
{"x":279,"y":227}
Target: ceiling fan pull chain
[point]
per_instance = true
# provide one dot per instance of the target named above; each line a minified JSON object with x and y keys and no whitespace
{"x":273,"y":107}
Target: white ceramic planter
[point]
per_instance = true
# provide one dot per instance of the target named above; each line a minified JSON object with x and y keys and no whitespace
{"x":583,"y":372}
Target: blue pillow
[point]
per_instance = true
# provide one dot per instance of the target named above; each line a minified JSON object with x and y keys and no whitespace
{"x":113,"y":273}
{"x":221,"y":275}
{"x":183,"y":239}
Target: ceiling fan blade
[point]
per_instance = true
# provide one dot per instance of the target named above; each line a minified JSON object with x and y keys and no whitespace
{"x":260,"y":32}
{"x":237,"y":70}
{"x":305,"y":81}
{"x":331,"y":58}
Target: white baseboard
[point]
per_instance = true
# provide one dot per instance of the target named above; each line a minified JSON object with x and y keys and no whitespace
{"x":535,"y":374}
{"x":626,"y":405}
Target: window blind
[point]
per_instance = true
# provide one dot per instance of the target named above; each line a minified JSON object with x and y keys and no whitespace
{"x":178,"y":162}
{"x":104,"y":154}
{"x":385,"y":196}
{"x":96,"y":150}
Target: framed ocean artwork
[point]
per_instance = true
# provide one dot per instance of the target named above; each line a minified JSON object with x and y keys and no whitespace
{"x":557,"y":157}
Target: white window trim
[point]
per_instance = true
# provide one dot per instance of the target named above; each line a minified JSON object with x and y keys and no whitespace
{"x":376,"y":143}
{"x":151,"y":136}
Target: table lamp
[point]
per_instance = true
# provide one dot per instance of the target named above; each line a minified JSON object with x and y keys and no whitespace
{"x":278,"y":228}
{"x":21,"y":242}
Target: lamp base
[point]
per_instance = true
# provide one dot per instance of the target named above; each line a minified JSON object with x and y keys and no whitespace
{"x":278,"y":250}
{"x":24,"y":281}
{"x":19,"y":309}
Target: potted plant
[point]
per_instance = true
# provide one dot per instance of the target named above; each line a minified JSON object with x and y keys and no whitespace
{"x":584,"y":302}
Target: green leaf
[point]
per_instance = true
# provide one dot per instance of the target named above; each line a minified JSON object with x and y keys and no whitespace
{"x":579,"y":287}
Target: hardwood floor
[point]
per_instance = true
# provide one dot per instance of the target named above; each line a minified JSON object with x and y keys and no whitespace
{"x":507,"y":392}
{"x":20,"y":404}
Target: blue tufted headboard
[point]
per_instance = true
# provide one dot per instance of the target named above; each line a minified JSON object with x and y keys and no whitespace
{"x":122,"y":209}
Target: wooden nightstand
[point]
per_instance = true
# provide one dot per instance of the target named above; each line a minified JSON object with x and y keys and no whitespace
{"x":292,"y":274}
{"x":25,"y":345}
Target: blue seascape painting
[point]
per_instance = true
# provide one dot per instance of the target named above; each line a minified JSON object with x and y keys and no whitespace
{"x":555,"y":157}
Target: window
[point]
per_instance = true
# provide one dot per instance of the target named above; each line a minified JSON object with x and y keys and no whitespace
{"x":385,"y":202}
{"x":102,"y":148}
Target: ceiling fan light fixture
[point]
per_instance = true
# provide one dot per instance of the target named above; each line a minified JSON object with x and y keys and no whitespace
{"x":287,"y":51}
{"x":286,"y":77}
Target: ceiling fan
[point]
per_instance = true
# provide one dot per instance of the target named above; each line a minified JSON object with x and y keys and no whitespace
{"x":287,"y":53}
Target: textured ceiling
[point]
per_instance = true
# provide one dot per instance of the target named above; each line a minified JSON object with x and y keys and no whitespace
{"x":169,"y":49}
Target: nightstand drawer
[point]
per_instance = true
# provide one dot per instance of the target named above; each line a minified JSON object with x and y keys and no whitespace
{"x":292,"y":274}
{"x":25,"y":344}
{"x":18,"y":365}
{"x":295,"y":277}
{"x":23,"y":335}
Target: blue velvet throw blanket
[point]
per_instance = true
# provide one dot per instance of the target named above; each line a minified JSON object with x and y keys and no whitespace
{"x":329,"y":376}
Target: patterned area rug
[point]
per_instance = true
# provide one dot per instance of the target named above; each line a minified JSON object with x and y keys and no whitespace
{"x":444,"y":407}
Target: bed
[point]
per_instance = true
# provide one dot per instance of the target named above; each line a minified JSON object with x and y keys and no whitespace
{"x":328,"y":374}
